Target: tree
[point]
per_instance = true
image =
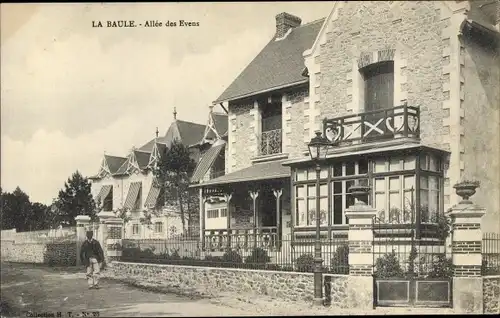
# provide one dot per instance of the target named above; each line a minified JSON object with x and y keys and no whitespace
{"x":75,"y":199}
{"x":173,"y":174}
{"x":16,"y":211}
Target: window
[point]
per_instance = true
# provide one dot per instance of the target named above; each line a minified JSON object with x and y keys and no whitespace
{"x":379,"y":86}
{"x":394,"y":197}
{"x":223,"y":213}
{"x":306,"y":204}
{"x":271,"y":120}
{"x":212,"y":214}
{"x":107,"y":204}
{"x":135,"y":228}
{"x":158,"y":227}
{"x":429,"y":198}
{"x":138,"y":202}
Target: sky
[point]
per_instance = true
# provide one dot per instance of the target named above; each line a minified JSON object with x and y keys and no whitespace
{"x":70,"y":92}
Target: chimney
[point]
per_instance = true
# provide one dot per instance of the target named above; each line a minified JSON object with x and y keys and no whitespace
{"x":284,"y":22}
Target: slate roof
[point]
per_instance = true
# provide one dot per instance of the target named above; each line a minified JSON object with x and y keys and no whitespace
{"x":256,"y":172}
{"x":149,"y":145}
{"x":142,"y":158}
{"x":189,"y":133}
{"x":279,"y":64}
{"x":114,"y":162}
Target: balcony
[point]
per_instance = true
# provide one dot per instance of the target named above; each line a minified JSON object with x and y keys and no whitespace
{"x":270,"y":142}
{"x":245,"y":239}
{"x":391,"y":123}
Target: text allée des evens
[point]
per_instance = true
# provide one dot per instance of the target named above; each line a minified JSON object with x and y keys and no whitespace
{"x":147,"y":24}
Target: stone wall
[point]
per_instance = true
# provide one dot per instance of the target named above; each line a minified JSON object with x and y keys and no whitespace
{"x":52,"y":253}
{"x":284,"y":285}
{"x":242,"y":125}
{"x":491,"y":294}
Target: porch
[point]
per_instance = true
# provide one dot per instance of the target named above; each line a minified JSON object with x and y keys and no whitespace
{"x":246,"y":209}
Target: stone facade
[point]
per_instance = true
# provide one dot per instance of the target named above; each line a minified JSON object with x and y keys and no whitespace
{"x":284,"y":285}
{"x":241,"y":127}
{"x":491,"y":295}
{"x":60,"y":253}
{"x":294,"y":122}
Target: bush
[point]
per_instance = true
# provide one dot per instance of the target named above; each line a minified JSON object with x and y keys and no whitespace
{"x":305,"y":263}
{"x":388,"y":266}
{"x":258,"y":256}
{"x":230,"y":258}
{"x":340,"y":260}
{"x":442,"y":267}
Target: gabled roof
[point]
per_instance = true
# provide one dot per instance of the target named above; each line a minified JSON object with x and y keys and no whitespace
{"x":114,"y":162}
{"x":186,"y":132}
{"x":221,"y":123}
{"x":142,"y":158}
{"x":483,"y":13}
{"x":149,"y":145}
{"x":279,"y":64}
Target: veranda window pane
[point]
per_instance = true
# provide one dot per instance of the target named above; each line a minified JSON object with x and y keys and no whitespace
{"x":348,"y":185}
{"x":409,"y":182}
{"x":433,"y":163}
{"x":380,"y":201}
{"x":323,"y":203}
{"x":301,"y":175}
{"x":337,"y":170}
{"x":409,"y":163}
{"x":433,"y":205}
{"x":380,"y":165}
{"x":324,"y":173}
{"x":349,"y":200}
{"x":337,"y":187}
{"x":337,"y":209}
{"x":433,"y":183}
{"x":363,"y":166}
{"x":311,"y":190}
{"x":380,"y":184}
{"x":424,"y":162}
{"x":301,"y":212}
{"x":363,"y":182}
{"x":323,"y":190}
{"x":349,"y":169}
{"x":311,"y":211}
{"x":424,"y":205}
{"x":424,"y":183}
{"x":394,"y":183}
{"x":394,"y":164}
{"x":395,"y":201}
{"x":301,"y":192}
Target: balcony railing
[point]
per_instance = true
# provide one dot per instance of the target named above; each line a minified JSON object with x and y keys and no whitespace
{"x":245,"y":239}
{"x":391,"y":123}
{"x":270,"y":142}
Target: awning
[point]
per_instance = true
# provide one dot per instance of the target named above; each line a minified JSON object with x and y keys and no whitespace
{"x":104,"y":192}
{"x":132,"y":194}
{"x":153,"y":194}
{"x":256,"y":172}
{"x":206,"y":162}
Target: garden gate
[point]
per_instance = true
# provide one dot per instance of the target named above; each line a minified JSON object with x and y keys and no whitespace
{"x":411,"y":270}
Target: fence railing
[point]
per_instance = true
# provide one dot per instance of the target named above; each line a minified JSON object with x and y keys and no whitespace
{"x":491,"y":254}
{"x":292,"y":256}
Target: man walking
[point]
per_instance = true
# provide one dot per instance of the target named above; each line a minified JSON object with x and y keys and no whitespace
{"x":92,"y":256}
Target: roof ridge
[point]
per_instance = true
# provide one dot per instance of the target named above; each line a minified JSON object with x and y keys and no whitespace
{"x":138,"y":149}
{"x":190,"y":122}
{"x":308,"y":23}
{"x":115,"y":156}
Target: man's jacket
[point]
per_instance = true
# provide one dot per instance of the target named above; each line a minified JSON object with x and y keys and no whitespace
{"x":91,"y":249}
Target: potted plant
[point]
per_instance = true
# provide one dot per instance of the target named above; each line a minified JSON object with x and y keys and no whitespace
{"x":465,"y":189}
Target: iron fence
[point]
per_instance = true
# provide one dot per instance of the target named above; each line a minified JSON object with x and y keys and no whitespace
{"x":293,"y":254}
{"x":397,"y":252}
{"x":491,"y":254}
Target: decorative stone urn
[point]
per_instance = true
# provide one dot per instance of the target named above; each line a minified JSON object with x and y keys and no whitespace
{"x":359,"y":192}
{"x":465,"y":190}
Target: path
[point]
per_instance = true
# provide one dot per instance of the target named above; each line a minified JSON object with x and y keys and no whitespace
{"x":45,"y":291}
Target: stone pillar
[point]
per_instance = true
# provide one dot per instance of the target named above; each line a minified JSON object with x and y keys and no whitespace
{"x":113,"y":243}
{"x":467,"y":239}
{"x":360,"y":237}
{"x":102,"y":232}
{"x":82,"y":222}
